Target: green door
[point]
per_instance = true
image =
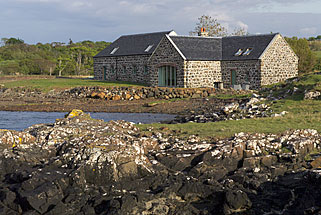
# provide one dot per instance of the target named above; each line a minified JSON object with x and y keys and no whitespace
{"x":167,"y":76}
{"x":161,"y":77}
{"x":233,"y":77}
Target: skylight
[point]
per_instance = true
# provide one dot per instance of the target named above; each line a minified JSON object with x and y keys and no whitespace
{"x":114,"y":50}
{"x":248,"y":51}
{"x":238,"y":53}
{"x":149,"y":48}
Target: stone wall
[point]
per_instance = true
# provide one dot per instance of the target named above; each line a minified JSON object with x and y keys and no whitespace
{"x":123,"y":68}
{"x":246,"y":71}
{"x":166,"y":54}
{"x":279,"y":62}
{"x":135,"y":93}
{"x":202,"y":73}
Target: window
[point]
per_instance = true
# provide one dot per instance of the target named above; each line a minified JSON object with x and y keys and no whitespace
{"x":124,"y":69}
{"x":112,"y":69}
{"x":248,"y":51}
{"x":149,"y":48}
{"x":134,"y":69}
{"x":105,"y":72}
{"x":238,"y":53}
{"x":167,"y":76}
{"x":233,"y":77}
{"x":145,"y":69}
{"x":247,"y":77}
{"x":114,"y":50}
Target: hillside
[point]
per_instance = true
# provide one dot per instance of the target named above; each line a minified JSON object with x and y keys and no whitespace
{"x":55,"y":58}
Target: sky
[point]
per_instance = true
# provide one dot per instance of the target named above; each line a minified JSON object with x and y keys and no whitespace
{"x":49,"y":21}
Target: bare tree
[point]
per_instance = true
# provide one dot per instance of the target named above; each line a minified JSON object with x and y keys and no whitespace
{"x":240,"y":32}
{"x":212,"y":26}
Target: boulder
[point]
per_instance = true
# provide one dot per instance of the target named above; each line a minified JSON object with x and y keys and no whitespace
{"x":312,"y":95}
{"x":236,"y":201}
{"x":136,"y":97}
{"x":230,"y":108}
{"x":116,"y":98}
{"x":74,"y":113}
{"x":316,"y":163}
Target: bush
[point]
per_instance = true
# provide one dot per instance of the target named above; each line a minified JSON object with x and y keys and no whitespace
{"x":307,"y":59}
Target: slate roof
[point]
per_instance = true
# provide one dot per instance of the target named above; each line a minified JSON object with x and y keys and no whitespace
{"x":193,"y":48}
{"x":223,"y":48}
{"x":199,"y":48}
{"x":258,"y":43}
{"x":133,"y":44}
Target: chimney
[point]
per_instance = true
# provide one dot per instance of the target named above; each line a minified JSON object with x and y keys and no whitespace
{"x":203,"y":33}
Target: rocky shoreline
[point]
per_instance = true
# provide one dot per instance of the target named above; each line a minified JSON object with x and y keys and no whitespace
{"x":83,"y":166}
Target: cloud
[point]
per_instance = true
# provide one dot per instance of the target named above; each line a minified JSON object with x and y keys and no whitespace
{"x":47,"y":20}
{"x":288,"y":24}
{"x":309,"y":31}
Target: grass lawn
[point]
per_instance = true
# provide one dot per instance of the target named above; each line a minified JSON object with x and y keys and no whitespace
{"x":302,"y":115}
{"x":60,"y":83}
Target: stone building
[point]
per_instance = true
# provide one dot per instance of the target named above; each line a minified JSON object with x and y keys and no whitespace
{"x":166,"y":59}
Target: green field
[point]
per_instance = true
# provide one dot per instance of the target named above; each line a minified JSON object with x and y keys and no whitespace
{"x":61,"y":83}
{"x":302,"y":115}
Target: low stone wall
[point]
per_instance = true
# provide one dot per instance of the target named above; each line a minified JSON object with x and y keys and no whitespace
{"x":118,"y":93}
{"x":135,"y":93}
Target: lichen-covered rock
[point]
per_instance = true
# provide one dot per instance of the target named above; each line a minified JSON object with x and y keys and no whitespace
{"x":312,"y":95}
{"x":15,"y":138}
{"x":80,"y":165}
{"x":242,"y":109}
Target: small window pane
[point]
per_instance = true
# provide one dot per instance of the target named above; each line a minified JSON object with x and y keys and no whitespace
{"x":248,"y":51}
{"x":149,"y":48}
{"x":114,"y":50}
{"x":239,"y":52}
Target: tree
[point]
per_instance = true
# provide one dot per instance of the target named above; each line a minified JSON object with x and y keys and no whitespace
{"x":14,"y":41}
{"x":212,"y":26}
{"x":240,"y":32}
{"x":311,"y":38}
{"x":62,"y":63}
{"x":55,"y":58}
{"x":307,"y":59}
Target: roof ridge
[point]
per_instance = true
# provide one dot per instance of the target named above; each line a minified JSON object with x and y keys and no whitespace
{"x":164,"y":32}
{"x":252,"y":35}
{"x":195,"y":36}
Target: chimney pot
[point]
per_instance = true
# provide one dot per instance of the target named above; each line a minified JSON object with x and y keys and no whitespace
{"x":203,"y":32}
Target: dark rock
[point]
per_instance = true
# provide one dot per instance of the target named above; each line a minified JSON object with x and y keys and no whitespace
{"x":78,"y":165}
{"x":236,"y":201}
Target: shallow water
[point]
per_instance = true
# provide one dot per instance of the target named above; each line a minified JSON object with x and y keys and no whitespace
{"x":22,"y":120}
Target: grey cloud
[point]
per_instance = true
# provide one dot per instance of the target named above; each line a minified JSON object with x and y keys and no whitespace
{"x":48,"y":20}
